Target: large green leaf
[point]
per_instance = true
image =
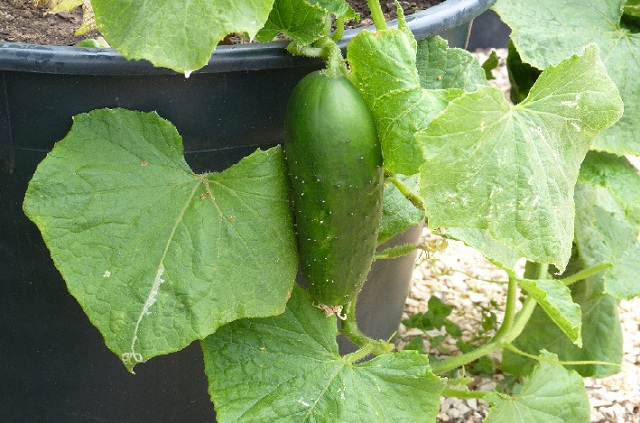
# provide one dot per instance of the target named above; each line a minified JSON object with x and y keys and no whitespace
{"x":406,"y":84}
{"x":512,"y":169}
{"x":551,"y":394}
{"x":403,"y":98}
{"x":619,"y":176}
{"x":287,"y":369}
{"x":602,"y":238}
{"x":547,"y":31}
{"x":156,"y":255}
{"x":383,"y":69}
{"x":176,"y":34}
{"x":601,"y":335}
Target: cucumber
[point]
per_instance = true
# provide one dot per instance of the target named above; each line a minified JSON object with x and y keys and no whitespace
{"x":335,"y":167}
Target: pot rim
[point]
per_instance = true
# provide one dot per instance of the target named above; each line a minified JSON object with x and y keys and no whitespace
{"x":233,"y":58}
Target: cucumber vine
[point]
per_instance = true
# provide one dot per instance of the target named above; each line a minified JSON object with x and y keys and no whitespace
{"x":399,"y":125}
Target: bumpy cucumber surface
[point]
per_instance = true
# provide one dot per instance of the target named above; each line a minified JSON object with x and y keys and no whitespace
{"x":335,"y":166}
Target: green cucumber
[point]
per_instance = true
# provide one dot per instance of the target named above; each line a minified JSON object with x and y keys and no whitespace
{"x":335,"y":167}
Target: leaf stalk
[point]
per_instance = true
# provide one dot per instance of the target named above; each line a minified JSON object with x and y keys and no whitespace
{"x":406,"y":191}
{"x":367,"y":345}
{"x":377,"y":15}
{"x":511,"y":327}
{"x":585,"y":273}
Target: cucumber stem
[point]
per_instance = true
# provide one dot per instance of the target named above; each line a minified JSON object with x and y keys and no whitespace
{"x":511,"y":327}
{"x":406,"y":191}
{"x":337,"y":35}
{"x":326,"y":49}
{"x":327,"y":26}
{"x":560,"y":362}
{"x":367,"y":345}
{"x":395,"y":252}
{"x":377,"y":15}
{"x":358,"y":355}
{"x":305,"y":50}
{"x":332,"y":55}
{"x":584,"y":274}
{"x":510,"y":309}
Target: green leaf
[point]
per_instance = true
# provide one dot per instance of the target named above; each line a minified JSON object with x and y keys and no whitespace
{"x":338,"y":8}
{"x":555,"y":299}
{"x":619,"y":176}
{"x":416,"y":344}
{"x":496,"y":252}
{"x":490,"y":64}
{"x":452,"y":329}
{"x":551,"y":394}
{"x":512,"y":169}
{"x":440,"y":67}
{"x":398,"y":213}
{"x":302,"y":20}
{"x":156,"y":255}
{"x":91,"y":43}
{"x":601,"y":238}
{"x":547,"y":31}
{"x":287,"y":369}
{"x":601,"y":335}
{"x":434,"y":318}
{"x":65,"y":6}
{"x":383,"y":69}
{"x":181,"y":34}
{"x":297,"y":19}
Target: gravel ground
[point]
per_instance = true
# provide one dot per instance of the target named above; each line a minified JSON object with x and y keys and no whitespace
{"x":456,"y":276}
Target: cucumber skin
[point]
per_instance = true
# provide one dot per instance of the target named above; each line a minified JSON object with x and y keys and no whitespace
{"x":335,"y":167}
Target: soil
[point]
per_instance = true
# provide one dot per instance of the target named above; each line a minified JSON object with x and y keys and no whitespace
{"x":22,"y":21}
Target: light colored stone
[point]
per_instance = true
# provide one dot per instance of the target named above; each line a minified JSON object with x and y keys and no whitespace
{"x":442,"y":417}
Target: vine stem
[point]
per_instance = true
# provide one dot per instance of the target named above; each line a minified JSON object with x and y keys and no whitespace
{"x":337,"y":35}
{"x":512,"y":326}
{"x":510,"y":309}
{"x":583,"y":274}
{"x":367,"y":345}
{"x":395,"y":252}
{"x":406,"y":191}
{"x":527,"y":309}
{"x":326,"y":49}
{"x":377,"y":15}
{"x":304,"y":50}
{"x":333,"y":57}
{"x":560,"y":362}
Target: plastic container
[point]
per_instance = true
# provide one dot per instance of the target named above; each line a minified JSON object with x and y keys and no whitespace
{"x":54,"y":366}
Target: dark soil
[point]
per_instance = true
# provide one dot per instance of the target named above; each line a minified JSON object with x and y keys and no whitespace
{"x":21,"y":21}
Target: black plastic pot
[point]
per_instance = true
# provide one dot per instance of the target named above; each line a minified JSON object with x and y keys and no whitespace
{"x":54,"y":366}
